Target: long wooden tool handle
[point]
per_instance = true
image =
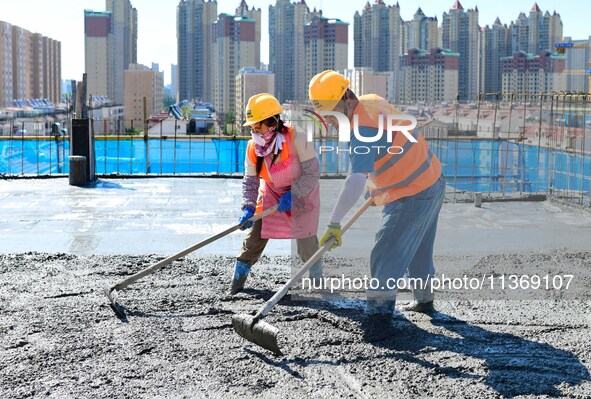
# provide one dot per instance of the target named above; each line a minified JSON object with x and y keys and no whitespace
{"x":264,"y":311}
{"x":186,"y":251}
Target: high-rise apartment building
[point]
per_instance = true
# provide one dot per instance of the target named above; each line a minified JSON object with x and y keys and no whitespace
{"x":578,"y":62}
{"x":194,"y":20}
{"x":536,"y":32}
{"x":255,"y":14}
{"x":233,"y":47}
{"x":21,"y":62}
{"x":49,"y":71}
{"x":519,"y":34}
{"x":39,"y":64}
{"x":251,"y":81}
{"x":534,"y":23}
{"x":377,"y":37}
{"x":429,"y":76}
{"x":140,"y":82}
{"x":286,"y":48}
{"x":156,"y":68}
{"x":460,"y":34}
{"x":5,"y":63}
{"x":123,"y":46}
{"x":98,"y":30}
{"x":110,"y":47}
{"x":529,"y":73}
{"x":376,"y":34}
{"x":174,"y":81}
{"x":326,"y":45}
{"x":494,"y":44}
{"x":551,"y":31}
{"x":421,"y":32}
{"x":544,"y":30}
{"x":30,"y":65}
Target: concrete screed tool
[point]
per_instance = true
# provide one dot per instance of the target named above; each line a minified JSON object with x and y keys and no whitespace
{"x":111,"y":292}
{"x":258,"y":331}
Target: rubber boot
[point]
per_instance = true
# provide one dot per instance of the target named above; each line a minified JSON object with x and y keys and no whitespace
{"x":414,"y":306}
{"x":380,"y":307}
{"x":241,"y":271}
{"x":316,"y":276}
{"x":423,"y":299}
{"x":381,"y":303}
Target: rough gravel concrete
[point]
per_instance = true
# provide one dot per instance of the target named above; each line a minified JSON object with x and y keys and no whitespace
{"x":60,"y":339}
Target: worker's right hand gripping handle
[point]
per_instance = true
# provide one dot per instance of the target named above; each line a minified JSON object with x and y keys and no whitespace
{"x":332,"y":230}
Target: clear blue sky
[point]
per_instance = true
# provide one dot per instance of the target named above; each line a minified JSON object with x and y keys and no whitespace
{"x":63,"y":20}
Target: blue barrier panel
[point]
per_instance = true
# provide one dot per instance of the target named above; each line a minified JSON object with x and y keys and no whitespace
{"x":333,"y":156}
{"x":231,"y":155}
{"x":34,"y":157}
{"x":474,"y":165}
{"x":124,"y":156}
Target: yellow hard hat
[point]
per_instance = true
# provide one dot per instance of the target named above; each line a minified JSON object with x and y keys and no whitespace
{"x":326,"y":90}
{"x":260,"y":107}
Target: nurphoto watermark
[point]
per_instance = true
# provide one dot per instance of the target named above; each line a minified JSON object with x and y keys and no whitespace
{"x":493,"y":282}
{"x":387,"y":124}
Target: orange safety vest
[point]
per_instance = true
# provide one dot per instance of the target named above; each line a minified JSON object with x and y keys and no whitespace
{"x":396,"y":176}
{"x":302,"y":220}
{"x":282,"y":156}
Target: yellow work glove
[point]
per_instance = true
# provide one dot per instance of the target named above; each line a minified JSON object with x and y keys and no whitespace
{"x":333,"y":230}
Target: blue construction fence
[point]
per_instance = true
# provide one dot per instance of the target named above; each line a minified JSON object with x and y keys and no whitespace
{"x":471,"y":165}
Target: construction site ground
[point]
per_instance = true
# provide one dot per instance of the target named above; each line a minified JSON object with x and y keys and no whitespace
{"x":61,"y":245}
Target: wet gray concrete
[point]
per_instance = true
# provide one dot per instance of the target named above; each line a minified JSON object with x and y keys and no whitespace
{"x":59,"y":338}
{"x":163,"y":216}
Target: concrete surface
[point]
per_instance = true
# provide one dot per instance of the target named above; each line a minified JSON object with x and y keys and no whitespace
{"x":60,"y":339}
{"x":164,"y":216}
{"x":59,"y":245}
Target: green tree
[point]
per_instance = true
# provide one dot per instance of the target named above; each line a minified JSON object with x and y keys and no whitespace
{"x":168,"y":100}
{"x":134,"y":131}
{"x":186,"y":112}
{"x":229,"y":119}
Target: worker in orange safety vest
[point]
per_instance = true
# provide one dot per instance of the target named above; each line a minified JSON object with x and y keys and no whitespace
{"x":281,"y":168}
{"x":405,"y":179}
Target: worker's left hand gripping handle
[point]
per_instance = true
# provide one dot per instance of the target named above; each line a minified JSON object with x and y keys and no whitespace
{"x":244,"y":220}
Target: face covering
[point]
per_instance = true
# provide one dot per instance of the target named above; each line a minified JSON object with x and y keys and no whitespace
{"x":258,"y":139}
{"x":265,"y":142}
{"x":263,"y":138}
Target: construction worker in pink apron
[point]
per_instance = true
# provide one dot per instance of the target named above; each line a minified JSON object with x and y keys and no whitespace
{"x":281,"y":168}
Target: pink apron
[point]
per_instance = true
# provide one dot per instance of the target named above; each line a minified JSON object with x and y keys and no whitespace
{"x":302,"y":220}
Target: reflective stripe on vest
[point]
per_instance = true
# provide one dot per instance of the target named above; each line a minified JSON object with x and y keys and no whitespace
{"x":424,"y":166}
{"x":403,"y":174}
{"x":394,"y":158}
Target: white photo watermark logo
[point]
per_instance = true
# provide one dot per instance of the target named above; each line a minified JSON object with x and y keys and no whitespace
{"x":393,"y":123}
